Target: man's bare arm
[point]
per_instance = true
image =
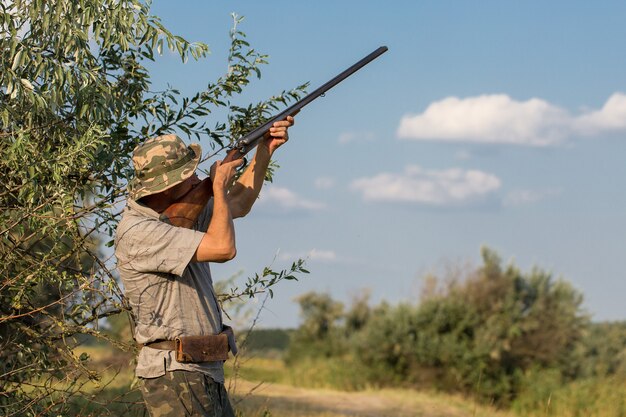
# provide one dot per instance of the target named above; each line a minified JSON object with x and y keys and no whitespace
{"x":218,"y":243}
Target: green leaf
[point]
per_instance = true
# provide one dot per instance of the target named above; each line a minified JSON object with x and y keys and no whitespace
{"x":27,"y":84}
{"x":17,"y":60}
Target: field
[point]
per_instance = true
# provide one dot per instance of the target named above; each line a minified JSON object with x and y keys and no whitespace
{"x":265,"y":387}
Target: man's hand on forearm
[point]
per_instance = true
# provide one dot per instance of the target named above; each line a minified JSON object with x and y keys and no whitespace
{"x":277,"y":135}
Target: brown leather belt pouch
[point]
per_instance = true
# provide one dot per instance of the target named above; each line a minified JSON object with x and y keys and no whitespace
{"x":193,"y":349}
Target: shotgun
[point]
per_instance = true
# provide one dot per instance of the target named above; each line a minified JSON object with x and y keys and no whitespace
{"x":186,"y":210}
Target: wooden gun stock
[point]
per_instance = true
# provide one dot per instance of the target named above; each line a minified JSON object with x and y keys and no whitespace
{"x":185,"y":211}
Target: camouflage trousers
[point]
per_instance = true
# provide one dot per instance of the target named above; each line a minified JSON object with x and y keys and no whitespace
{"x":183,"y":393}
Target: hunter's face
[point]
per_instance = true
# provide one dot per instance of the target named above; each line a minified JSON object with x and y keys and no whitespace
{"x":183,"y":188}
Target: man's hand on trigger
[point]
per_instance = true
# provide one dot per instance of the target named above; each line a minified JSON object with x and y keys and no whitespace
{"x":278,"y":134}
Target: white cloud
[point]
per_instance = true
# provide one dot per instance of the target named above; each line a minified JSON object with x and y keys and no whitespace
{"x":498,"y":118}
{"x":311,"y":255}
{"x":324,"y":183}
{"x":611,"y":117}
{"x":419,"y":186}
{"x":348,"y":137}
{"x":286,"y":200}
{"x":523,"y":197}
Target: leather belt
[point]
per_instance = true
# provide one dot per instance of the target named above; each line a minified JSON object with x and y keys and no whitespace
{"x":162,"y":344}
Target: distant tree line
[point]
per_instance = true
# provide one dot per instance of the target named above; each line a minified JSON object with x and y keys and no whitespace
{"x":484,"y":334}
{"x":265,"y":340}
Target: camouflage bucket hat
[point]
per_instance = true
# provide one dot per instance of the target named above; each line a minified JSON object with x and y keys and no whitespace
{"x":161,"y":163}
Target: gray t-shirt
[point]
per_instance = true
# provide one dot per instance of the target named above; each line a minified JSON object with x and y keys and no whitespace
{"x":169,"y":295}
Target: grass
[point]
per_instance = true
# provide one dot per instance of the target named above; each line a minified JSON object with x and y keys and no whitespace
{"x":332,"y":388}
{"x":310,"y":389}
{"x":284,"y":400}
{"x":595,"y":397}
{"x":342,"y":374}
{"x":545,"y":397}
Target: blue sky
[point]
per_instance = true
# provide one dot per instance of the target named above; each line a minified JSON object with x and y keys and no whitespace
{"x":495,"y":123}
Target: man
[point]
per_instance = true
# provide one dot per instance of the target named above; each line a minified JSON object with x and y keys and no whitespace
{"x":166,"y":274}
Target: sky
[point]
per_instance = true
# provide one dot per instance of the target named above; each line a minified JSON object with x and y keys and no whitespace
{"x":492,"y":123}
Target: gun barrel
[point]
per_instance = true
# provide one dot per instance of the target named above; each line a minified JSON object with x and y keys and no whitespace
{"x":250,"y":140}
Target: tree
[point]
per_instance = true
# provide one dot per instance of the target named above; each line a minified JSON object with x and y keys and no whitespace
{"x":359,"y":312}
{"x":75,"y":99}
{"x":319,"y":334}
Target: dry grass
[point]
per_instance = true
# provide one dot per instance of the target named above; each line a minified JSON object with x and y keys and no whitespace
{"x":280,"y":391}
{"x":284,"y":399}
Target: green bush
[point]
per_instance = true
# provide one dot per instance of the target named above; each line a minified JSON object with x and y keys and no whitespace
{"x":603,"y":351}
{"x":478,"y":335}
{"x":320,"y":333}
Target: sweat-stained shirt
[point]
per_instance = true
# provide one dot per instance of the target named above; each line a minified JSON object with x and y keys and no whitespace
{"x":169,"y":295}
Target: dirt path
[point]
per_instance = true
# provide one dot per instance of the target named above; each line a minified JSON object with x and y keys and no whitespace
{"x":285,"y":400}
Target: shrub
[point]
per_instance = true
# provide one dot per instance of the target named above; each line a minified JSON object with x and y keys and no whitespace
{"x":479,"y":335}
